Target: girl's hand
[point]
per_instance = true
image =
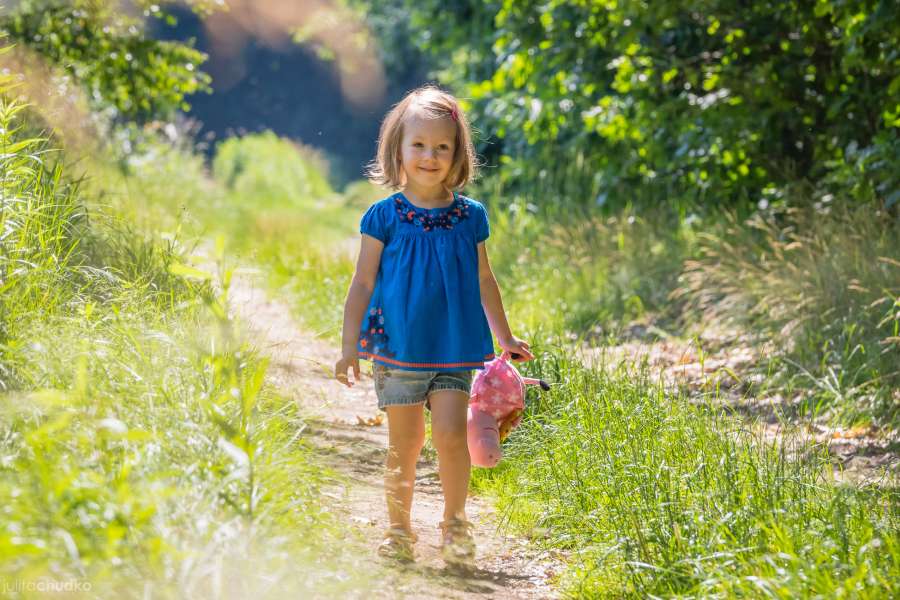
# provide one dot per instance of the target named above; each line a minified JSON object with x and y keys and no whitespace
{"x":346,"y":362}
{"x":516,"y":346}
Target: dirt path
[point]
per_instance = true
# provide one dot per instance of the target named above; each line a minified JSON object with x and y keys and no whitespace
{"x":301,"y":367}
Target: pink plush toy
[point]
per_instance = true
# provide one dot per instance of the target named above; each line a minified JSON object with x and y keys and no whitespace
{"x":495,"y":408}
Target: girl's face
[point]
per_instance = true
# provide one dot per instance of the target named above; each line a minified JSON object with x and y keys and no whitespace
{"x":427,"y":150}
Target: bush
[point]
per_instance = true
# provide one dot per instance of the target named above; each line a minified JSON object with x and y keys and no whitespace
{"x":265,"y":170}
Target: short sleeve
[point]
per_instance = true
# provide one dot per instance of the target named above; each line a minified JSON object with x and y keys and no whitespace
{"x":372,"y":223}
{"x":482,"y":228}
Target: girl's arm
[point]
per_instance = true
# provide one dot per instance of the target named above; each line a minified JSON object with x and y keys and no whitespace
{"x":355,"y":307}
{"x":493,"y":307}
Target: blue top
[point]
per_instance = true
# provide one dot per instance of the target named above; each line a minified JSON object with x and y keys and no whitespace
{"x":425,"y":313}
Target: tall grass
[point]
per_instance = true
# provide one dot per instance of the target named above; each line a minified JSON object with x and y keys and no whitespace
{"x":140,"y":450}
{"x":822,"y":285}
{"x":656,"y":496}
{"x":583,"y":272}
{"x":39,"y":223}
{"x":153,"y":183}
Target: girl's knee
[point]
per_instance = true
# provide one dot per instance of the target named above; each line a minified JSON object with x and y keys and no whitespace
{"x":408,"y":446}
{"x":448,"y":438}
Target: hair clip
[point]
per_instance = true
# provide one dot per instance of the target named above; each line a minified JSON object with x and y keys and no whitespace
{"x":454,"y":115}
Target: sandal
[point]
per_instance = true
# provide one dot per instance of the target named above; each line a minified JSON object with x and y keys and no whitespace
{"x":457,"y":544}
{"x":398,"y":545}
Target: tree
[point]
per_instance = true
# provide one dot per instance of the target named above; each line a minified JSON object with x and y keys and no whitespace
{"x":105,"y":49}
{"x":684,"y":103}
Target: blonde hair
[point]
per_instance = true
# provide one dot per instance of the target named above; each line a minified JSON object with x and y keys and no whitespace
{"x":432,"y":103}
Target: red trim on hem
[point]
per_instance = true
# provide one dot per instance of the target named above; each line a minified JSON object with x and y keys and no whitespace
{"x":371,"y":356}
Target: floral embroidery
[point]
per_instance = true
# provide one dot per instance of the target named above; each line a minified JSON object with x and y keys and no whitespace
{"x":456,"y":212}
{"x":373,"y":339}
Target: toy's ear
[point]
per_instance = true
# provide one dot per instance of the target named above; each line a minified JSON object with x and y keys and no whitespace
{"x":532,"y":381}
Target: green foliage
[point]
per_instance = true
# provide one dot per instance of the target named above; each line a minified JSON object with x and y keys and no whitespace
{"x":51,"y":256}
{"x":107,"y":52}
{"x":141,"y":444}
{"x":705,"y":103}
{"x":39,"y":219}
{"x":161,"y":166}
{"x":280,"y":208}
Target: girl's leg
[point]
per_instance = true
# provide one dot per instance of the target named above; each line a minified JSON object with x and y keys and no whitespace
{"x":406,"y":436}
{"x":448,"y":433}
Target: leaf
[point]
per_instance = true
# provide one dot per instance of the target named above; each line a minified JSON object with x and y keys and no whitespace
{"x":375,"y":421}
{"x":238,"y":455}
{"x":182,"y":270}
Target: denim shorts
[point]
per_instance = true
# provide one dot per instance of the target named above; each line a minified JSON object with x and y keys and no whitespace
{"x":401,"y":387}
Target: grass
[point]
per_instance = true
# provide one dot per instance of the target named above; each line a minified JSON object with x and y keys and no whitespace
{"x":653,"y":494}
{"x":584,"y":273}
{"x":656,"y":496}
{"x":823,"y":284}
{"x":140,"y":449}
{"x":144,"y":455}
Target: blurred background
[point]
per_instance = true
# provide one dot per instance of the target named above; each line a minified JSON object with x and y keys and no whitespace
{"x":307,"y":71}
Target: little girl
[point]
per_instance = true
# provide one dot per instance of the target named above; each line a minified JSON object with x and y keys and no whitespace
{"x":419,"y":307}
